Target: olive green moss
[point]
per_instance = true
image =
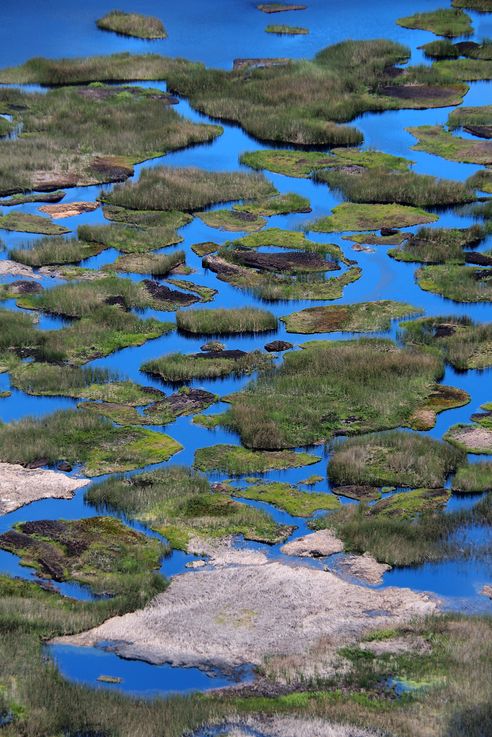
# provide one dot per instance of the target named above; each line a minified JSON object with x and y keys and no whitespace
{"x":235,"y":460}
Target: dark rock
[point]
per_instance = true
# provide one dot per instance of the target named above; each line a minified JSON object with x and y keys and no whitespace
{"x":482,"y":274}
{"x":480,"y":259}
{"x":37,"y":463}
{"x":278,"y":345}
{"x":389,"y":231}
{"x":64,"y":466}
{"x":359,"y":492}
{"x":418,"y":91}
{"x":221,"y":354}
{"x":165,"y":294}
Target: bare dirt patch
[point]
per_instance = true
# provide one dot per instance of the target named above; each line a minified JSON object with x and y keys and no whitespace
{"x":20,"y":486}
{"x":317,"y":545}
{"x":68,"y":210}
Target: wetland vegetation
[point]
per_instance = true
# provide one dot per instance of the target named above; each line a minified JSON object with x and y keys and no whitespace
{"x":132,"y":24}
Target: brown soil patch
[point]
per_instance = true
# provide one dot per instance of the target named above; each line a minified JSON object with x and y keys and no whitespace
{"x":293,"y":261}
{"x":68,"y":210}
{"x":482,"y":131}
{"x":163,"y":294}
{"x":418,"y":92}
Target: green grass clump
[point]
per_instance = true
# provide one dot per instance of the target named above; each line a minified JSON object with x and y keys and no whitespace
{"x":400,"y":533}
{"x":474,"y":478}
{"x":24,"y":222}
{"x":22,"y":199}
{"x":456,"y":282}
{"x":232,"y":220}
{"x":442,"y":22}
{"x":132,"y":24}
{"x":235,"y":460}
{"x":404,"y":188}
{"x":434,"y":139}
{"x":283,"y":30}
{"x":463,"y":343}
{"x":463,"y":117}
{"x":279,"y":238}
{"x":350,"y":386}
{"x":178,"y":367}
{"x":350,"y":216}
{"x":82,"y":438}
{"x":393,"y":458}
{"x":155,"y":264}
{"x":137,"y":238}
{"x":99,"y":552}
{"x":81,"y":299}
{"x":481,"y":6}
{"x":277,"y":204}
{"x":439,"y":245}
{"x":226,"y":321}
{"x":17,"y":331}
{"x":80,"y":136}
{"x":167,"y":188}
{"x":363,"y":317}
{"x":179,"y":504}
{"x":305,"y":164}
{"x":54,"y":251}
{"x":42,"y":379}
{"x":441,"y":49}
{"x":291,"y":500}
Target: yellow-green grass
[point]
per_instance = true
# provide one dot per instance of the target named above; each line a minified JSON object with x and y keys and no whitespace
{"x":226,"y":321}
{"x":333,"y":387}
{"x":463,"y":343}
{"x":277,"y":204}
{"x":435,"y":140}
{"x":156,"y":264}
{"x":132,"y":24}
{"x":291,"y":500}
{"x":443,"y":22}
{"x":456,"y":282}
{"x":24,"y":222}
{"x":180,"y":504}
{"x":473,"y":478}
{"x":235,"y":460}
{"x":350,"y":216}
{"x":393,"y":458}
{"x":363,"y":317}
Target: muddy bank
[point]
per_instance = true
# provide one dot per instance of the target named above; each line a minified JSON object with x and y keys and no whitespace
{"x":20,"y":486}
{"x":232,"y":616}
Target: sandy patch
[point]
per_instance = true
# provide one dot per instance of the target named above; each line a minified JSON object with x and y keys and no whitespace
{"x":317,"y":545}
{"x":69,"y":209}
{"x":12,"y":268}
{"x":231,"y":616}
{"x":20,"y":486}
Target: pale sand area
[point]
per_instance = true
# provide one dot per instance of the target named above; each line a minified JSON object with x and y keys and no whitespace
{"x":20,"y":486}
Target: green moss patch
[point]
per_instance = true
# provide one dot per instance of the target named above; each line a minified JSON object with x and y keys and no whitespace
{"x":55,"y":250}
{"x":439,"y":245}
{"x":363,"y":317}
{"x":387,"y":186}
{"x":42,"y":379}
{"x":373,"y":239}
{"x":235,"y":460}
{"x":474,"y":478}
{"x":210,"y":422}
{"x":350,"y":216}
{"x":23,"y":199}
{"x":203,"y":249}
{"x":167,"y":188}
{"x":180,"y":504}
{"x":179,"y":367}
{"x":448,"y":22}
{"x":232,"y":220}
{"x":456,"y":282}
{"x":99,"y":552}
{"x":434,"y":139}
{"x":283,"y":30}
{"x":279,"y":238}
{"x":26,"y":223}
{"x":291,"y":500}
{"x":464,"y":343}
{"x":79,"y":437}
{"x":226,"y":321}
{"x":132,"y":24}
{"x":392,"y":458}
{"x":305,"y":164}
{"x":409,"y":504}
{"x":341,"y":386}
{"x":277,"y":204}
{"x":138,"y":237}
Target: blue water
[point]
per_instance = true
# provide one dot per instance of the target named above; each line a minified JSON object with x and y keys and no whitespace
{"x":216,"y":33}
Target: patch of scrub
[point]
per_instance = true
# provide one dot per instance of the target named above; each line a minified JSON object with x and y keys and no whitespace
{"x":226,"y":321}
{"x":350,"y":216}
{"x":393,"y":458}
{"x":439,"y":245}
{"x":83,"y":438}
{"x":457,"y":282}
{"x":464,"y":343}
{"x":180,"y":504}
{"x":179,"y":367}
{"x":232,"y":220}
{"x":290,"y":499}
{"x":340,"y":386}
{"x":473,"y":477}
{"x":235,"y":460}
{"x":132,"y":24}
{"x":443,"y":22}
{"x":99,"y":552}
{"x":20,"y":486}
{"x":364,"y":317}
